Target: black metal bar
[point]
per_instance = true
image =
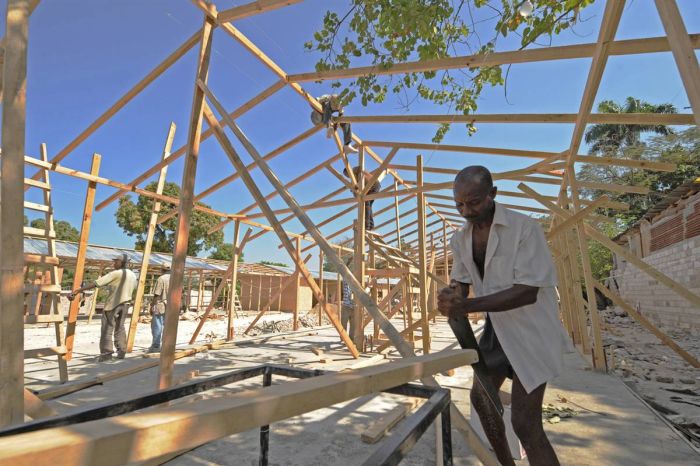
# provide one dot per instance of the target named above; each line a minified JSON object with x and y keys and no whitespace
{"x":151,"y":399}
{"x":416,"y":391}
{"x":410,"y":431}
{"x":265,"y":430}
{"x":446,"y":435}
{"x":295,"y":372}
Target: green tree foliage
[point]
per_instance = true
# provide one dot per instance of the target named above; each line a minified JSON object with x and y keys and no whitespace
{"x":224,"y":252}
{"x":64,"y":230}
{"x":133,"y":218}
{"x":600,"y":256}
{"x":278,"y":264}
{"x":681,"y":148}
{"x":385,"y":32}
{"x":608,"y":138}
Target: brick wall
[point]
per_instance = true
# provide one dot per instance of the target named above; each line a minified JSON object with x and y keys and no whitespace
{"x":675,"y":252}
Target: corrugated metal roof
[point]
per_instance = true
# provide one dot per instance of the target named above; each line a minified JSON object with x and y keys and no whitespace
{"x":69,"y":250}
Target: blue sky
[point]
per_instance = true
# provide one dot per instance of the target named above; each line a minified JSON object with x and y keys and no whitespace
{"x":83,"y":55}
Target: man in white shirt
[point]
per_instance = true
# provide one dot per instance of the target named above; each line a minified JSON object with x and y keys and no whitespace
{"x":120,"y":283}
{"x":160,"y":299}
{"x":504,"y":256}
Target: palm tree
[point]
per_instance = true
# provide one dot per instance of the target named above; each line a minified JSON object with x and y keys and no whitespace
{"x":607,"y":138}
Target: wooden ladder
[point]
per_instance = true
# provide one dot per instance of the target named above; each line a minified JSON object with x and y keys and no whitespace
{"x":43,"y":284}
{"x":236,"y":304}
{"x":398,"y":265}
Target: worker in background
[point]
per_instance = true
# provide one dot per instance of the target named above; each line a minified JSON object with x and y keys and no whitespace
{"x":369,"y":217}
{"x":160,"y":300}
{"x":505,"y":257}
{"x":330,"y":104}
{"x":346,"y":307}
{"x":120,"y":283}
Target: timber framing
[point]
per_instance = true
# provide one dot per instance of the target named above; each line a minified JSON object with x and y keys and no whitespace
{"x":410,"y":242}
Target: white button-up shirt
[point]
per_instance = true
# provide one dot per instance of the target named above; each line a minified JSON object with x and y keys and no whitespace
{"x":532,"y":336}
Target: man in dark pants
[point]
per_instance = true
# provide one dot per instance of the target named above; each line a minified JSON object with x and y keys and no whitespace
{"x":505,"y":257}
{"x":120,"y":283}
{"x":369,"y":217}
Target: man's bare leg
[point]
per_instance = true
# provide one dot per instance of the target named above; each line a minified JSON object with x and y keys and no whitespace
{"x":491,"y":420}
{"x":527,"y":424}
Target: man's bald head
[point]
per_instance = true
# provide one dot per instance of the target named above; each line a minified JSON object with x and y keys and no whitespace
{"x":474,"y":193}
{"x":475,"y":177}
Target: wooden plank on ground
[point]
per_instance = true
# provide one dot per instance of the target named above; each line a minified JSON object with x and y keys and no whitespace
{"x":35,"y":407}
{"x":379,"y":428}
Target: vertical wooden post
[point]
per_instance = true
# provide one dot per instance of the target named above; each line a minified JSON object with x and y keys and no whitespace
{"x":578,"y":297}
{"x":12,"y":213}
{"x":397,"y":214}
{"x":234,"y":279}
{"x":320,"y":284}
{"x":200,"y":291}
{"x":374,"y":292}
{"x":422,"y":261}
{"x":297,"y":284}
{"x":357,"y":331}
{"x":683,"y":52}
{"x":82,"y":253}
{"x":143,"y":273}
{"x":446,"y":250}
{"x":338,"y":287}
{"x":167,"y":355}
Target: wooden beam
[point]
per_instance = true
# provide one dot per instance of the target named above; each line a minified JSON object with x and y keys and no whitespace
{"x":404,"y":192}
{"x":12,"y":213}
{"x":143,"y":436}
{"x":252,"y":8}
{"x":115,"y":184}
{"x":237,"y":250}
{"x":150,"y":233}
{"x":617,"y":249}
{"x":257,"y":195}
{"x":566,"y":52}
{"x":606,"y":35}
{"x":377,"y":173}
{"x":578,"y":216}
{"x":328,"y":220}
{"x":304,"y":176}
{"x":683,"y":53}
{"x":568,"y":118}
{"x":88,"y":209}
{"x":177,"y":270}
{"x":234,"y":176}
{"x":126,"y":98}
{"x":240,"y":111}
{"x":360,"y":245}
{"x":422,"y":259}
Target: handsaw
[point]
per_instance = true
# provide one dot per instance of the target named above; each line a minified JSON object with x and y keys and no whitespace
{"x":465,"y":336}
